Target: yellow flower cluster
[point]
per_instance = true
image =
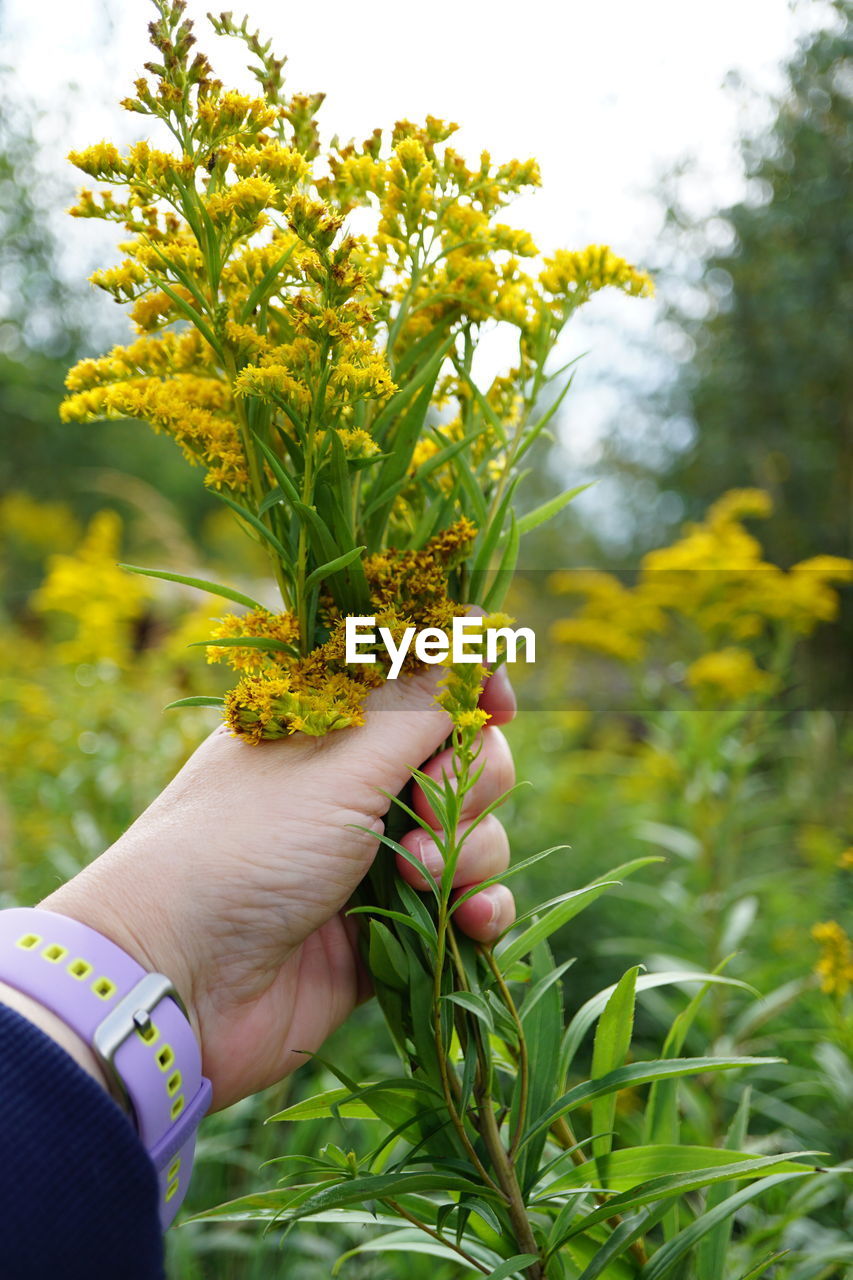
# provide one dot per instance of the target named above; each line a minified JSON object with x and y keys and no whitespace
{"x":270,"y":337}
{"x":282,"y":694}
{"x":835,"y":966}
{"x":195,"y":411}
{"x":730,"y":673}
{"x":93,"y":598}
{"x":715,"y":585}
{"x":282,"y":629}
{"x":36,"y":527}
{"x":167,"y":354}
{"x":584,"y":272}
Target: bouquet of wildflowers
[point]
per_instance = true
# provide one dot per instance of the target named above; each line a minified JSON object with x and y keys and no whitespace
{"x":325,"y":382}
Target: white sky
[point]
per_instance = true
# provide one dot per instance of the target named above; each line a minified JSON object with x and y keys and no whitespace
{"x":607,"y":94}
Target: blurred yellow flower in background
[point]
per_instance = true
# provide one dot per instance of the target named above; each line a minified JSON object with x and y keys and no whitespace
{"x":835,"y":965}
{"x":92,"y":597}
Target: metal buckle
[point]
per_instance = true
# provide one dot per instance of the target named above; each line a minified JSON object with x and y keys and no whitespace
{"x":132,"y":1013}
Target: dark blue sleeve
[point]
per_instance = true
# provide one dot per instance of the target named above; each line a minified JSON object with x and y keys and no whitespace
{"x":78,"y":1194}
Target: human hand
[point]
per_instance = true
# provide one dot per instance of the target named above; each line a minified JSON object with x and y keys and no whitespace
{"x":235,"y":881}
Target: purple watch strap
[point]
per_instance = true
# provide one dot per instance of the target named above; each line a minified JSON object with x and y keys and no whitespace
{"x":133,"y":1021}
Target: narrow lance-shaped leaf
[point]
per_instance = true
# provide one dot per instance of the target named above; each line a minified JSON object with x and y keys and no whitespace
{"x":332,"y":566}
{"x":714,"y":1249}
{"x":670,"y":1254}
{"x":588,"y":1012}
{"x":542,"y":514}
{"x":610,"y":1049}
{"x":679,"y":1184}
{"x":634,"y":1074}
{"x":200,"y":584}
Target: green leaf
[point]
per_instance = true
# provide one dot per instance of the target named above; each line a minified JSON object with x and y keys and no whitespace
{"x":570,"y":905}
{"x":399,"y":916}
{"x":260,"y":528}
{"x":246,"y":642}
{"x":405,"y":1241}
{"x":670,"y":1185}
{"x":416,"y":907}
{"x":285,"y":482}
{"x":272,"y":499}
{"x":714,"y":1249}
{"x":383,"y":1186}
{"x":474,"y":1003}
{"x":621,"y":1239}
{"x":588,"y":1012}
{"x":212,"y":588}
{"x":189,"y":313}
{"x":547,"y":510}
{"x":503,"y":574}
{"x":490,"y":537}
{"x":425,"y":378}
{"x":632,"y":1167}
{"x":405,"y":854}
{"x":332,"y":566}
{"x":538,"y":990}
{"x":512,"y":870}
{"x":322,"y":1106}
{"x":445,"y":454}
{"x":661,"y":1118}
{"x":388,"y":960}
{"x":671,"y":1253}
{"x":760,"y":1268}
{"x":196,"y":701}
{"x":483,"y":404}
{"x":634,"y":1074}
{"x":541,"y":1029}
{"x":513,"y":1266}
{"x":264,"y":284}
{"x":610,"y":1049}
{"x":393,"y":470}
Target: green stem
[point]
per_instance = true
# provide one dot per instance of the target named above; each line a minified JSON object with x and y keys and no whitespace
{"x":523,"y":1061}
{"x":505,"y":1170}
{"x":397,"y":1208}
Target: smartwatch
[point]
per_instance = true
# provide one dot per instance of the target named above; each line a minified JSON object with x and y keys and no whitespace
{"x":133,"y":1021}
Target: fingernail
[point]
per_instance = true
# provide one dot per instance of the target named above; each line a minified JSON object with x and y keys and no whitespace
{"x":497,"y":917}
{"x":430,"y":855}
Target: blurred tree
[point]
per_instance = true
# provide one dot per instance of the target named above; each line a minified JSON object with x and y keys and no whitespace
{"x":770,"y":386}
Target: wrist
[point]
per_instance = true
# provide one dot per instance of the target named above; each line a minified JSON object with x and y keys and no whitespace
{"x":90,"y":899}
{"x":54,"y":1027}
{"x":129,"y":1018}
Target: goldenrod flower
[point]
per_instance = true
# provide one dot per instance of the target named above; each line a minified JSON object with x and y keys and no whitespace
{"x":97,"y":600}
{"x":729,"y":673}
{"x":580,"y":274}
{"x":835,"y":965}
